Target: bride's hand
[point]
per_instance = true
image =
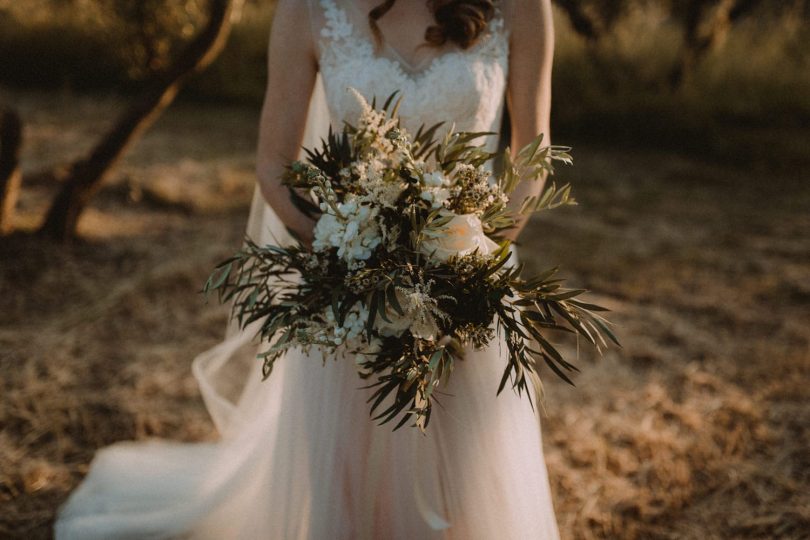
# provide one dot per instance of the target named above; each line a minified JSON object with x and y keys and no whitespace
{"x":303,"y":232}
{"x":299,"y":225}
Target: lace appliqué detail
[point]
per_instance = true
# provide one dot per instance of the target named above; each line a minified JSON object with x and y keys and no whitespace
{"x":464,"y":88}
{"x":337,"y":25}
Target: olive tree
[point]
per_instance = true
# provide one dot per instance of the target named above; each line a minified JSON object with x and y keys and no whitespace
{"x":80,"y":180}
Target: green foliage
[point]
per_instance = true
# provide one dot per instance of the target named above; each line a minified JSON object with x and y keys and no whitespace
{"x":434,"y":307}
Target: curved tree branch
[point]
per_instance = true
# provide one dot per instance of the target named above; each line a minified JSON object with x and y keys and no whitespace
{"x":85,"y":176}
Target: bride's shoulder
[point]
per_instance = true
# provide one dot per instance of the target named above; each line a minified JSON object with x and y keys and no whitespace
{"x":526,"y":15}
{"x":292,"y":28}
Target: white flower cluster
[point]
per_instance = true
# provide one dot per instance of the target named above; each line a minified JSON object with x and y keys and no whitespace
{"x":371,"y":179}
{"x":351,"y":329}
{"x":353,"y":226}
{"x":436,"y":188}
{"x":374,"y":121}
{"x":474,"y":189}
{"x":352,"y":229}
{"x":389,"y":141}
{"x":324,"y":331}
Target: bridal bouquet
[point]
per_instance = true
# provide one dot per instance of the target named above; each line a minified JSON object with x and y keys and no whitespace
{"x":407,"y":268}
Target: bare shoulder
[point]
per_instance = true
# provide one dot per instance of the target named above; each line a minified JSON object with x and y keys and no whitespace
{"x":528,"y":20}
{"x":292,"y":26}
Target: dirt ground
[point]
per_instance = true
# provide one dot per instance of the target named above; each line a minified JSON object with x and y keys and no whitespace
{"x":696,"y":428}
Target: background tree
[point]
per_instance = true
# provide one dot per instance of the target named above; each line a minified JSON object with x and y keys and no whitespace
{"x":152,"y":31}
{"x":705,"y":24}
{"x":83,"y":178}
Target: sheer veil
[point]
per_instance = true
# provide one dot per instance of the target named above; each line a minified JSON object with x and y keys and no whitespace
{"x":226,"y":371}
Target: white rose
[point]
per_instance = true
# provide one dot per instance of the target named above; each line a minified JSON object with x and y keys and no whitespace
{"x":355,"y":233}
{"x":461,"y":236}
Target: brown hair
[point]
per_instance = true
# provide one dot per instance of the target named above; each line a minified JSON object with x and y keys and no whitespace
{"x":458,"y":21}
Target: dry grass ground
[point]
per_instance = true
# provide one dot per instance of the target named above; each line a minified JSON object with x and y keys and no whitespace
{"x":697,"y":428}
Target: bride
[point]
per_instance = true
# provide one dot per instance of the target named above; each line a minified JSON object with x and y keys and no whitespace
{"x":298,"y":458}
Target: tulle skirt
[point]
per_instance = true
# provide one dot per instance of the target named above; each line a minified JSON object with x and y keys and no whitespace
{"x":299,"y":459}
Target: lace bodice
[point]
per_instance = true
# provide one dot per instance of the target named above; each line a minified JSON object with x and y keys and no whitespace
{"x":461,"y":87}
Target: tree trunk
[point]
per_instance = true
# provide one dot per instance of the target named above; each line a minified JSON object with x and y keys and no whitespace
{"x":706,"y":24}
{"x":10,"y":177}
{"x":86,"y":176}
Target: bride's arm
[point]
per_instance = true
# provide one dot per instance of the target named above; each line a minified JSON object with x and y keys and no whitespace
{"x":291,"y":72}
{"x":529,"y":85}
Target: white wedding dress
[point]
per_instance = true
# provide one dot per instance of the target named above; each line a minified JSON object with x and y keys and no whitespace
{"x":299,"y":457}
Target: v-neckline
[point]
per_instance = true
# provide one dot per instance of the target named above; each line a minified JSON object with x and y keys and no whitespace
{"x":395,"y":59}
{"x":411,"y":70}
